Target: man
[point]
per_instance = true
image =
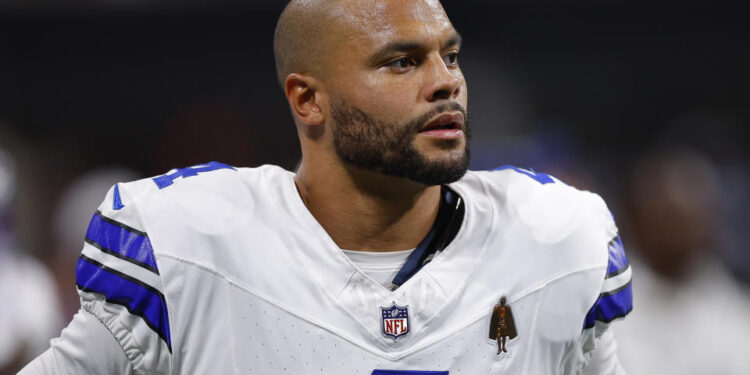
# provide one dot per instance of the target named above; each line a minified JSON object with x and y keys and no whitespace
{"x":381,"y":255}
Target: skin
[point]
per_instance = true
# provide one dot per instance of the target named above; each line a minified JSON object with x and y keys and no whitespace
{"x":364,"y":209}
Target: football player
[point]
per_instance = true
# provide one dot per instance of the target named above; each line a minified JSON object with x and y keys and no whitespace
{"x":380,"y":255}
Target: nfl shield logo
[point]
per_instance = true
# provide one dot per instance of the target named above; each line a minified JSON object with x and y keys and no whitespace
{"x":395,"y":321}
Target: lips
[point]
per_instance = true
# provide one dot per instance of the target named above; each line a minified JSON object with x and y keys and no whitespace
{"x":445,"y":121}
{"x":446,"y":127}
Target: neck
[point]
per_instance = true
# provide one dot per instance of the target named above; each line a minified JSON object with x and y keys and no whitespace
{"x":367,"y":211}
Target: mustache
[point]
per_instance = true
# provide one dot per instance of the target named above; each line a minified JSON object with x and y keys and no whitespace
{"x":417,"y":123}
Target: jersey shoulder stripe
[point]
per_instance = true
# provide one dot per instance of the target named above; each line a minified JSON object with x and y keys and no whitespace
{"x":616,"y":298}
{"x":138,"y":298}
{"x":618,"y":260}
{"x":118,"y":263}
{"x":121,"y":241}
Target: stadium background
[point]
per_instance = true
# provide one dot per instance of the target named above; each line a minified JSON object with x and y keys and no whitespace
{"x":592,"y":92}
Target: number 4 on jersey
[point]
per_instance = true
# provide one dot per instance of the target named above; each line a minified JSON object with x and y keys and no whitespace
{"x":541,"y":178}
{"x":168,"y":179}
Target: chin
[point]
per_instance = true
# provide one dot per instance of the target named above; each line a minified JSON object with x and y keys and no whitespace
{"x":445,"y":168}
{"x":446,"y":156}
{"x":437,"y":147}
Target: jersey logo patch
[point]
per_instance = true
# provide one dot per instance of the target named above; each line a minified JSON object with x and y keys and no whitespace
{"x":502,"y":325}
{"x":395,"y":321}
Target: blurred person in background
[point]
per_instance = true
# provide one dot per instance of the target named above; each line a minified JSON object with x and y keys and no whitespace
{"x":29,"y":315}
{"x":692,"y":316}
{"x":70,"y":219}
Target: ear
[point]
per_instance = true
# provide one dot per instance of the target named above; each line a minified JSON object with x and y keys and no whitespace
{"x":303,"y":95}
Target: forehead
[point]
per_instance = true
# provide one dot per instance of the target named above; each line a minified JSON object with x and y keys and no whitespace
{"x":381,"y":21}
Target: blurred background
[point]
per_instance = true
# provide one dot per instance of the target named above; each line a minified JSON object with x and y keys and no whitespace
{"x":645,"y":103}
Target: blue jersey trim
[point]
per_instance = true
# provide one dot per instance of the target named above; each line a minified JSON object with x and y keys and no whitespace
{"x":611,"y":306}
{"x":616,"y":303}
{"x":122,"y":241}
{"x":618,"y":260}
{"x":116,"y":200}
{"x":118,"y":288}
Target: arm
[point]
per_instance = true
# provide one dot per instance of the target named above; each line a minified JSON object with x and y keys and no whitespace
{"x":122,"y":299}
{"x":86,"y":346}
{"x":604,"y":360}
{"x":614,"y":302}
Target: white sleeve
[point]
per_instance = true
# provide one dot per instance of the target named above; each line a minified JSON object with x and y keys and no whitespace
{"x":86,"y":346}
{"x":604,"y":360}
{"x":121,"y":289}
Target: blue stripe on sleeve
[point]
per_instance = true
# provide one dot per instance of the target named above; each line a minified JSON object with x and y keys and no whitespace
{"x":613,"y":306}
{"x":618,"y":260}
{"x":610,"y":306}
{"x":139,"y":298}
{"x":122,"y":241}
{"x":590,"y":318}
{"x":617,"y":303}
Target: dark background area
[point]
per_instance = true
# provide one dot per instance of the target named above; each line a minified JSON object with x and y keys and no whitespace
{"x":113,"y":77}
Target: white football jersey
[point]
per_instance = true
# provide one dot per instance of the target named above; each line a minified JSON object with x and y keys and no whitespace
{"x":221,"y":270}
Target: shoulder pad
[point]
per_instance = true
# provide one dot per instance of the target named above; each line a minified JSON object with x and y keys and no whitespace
{"x":550,"y":208}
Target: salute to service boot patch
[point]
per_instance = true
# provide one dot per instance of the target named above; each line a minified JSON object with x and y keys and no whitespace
{"x":502,"y":325}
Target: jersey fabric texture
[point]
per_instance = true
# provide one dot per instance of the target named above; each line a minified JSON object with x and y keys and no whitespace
{"x":221,"y":270}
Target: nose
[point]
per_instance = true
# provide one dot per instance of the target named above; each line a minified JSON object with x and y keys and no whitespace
{"x":441,"y":82}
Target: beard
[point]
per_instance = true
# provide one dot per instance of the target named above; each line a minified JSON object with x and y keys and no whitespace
{"x":362,"y":141}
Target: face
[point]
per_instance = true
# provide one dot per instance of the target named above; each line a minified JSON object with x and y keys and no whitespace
{"x":397,"y":95}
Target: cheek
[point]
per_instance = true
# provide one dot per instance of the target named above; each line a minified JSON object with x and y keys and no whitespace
{"x":388,"y":99}
{"x":463,"y":95}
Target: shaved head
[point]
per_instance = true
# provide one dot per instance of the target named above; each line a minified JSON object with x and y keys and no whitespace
{"x":309,"y":31}
{"x":301,"y":36}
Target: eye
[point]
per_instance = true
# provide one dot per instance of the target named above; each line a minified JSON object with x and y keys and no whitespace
{"x":451,"y":59}
{"x":401,"y":63}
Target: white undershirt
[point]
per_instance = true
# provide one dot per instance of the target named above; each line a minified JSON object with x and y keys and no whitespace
{"x":380,"y":266}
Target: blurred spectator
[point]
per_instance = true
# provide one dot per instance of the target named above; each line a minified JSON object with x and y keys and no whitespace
{"x":29,"y":316}
{"x":70,"y":219}
{"x":690,"y":315}
{"x":719,"y":134}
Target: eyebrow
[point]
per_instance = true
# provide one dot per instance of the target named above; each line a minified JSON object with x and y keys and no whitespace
{"x":455,"y":40}
{"x":409,"y":45}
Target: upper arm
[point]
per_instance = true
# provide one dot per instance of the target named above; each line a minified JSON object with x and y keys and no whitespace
{"x":86,"y":346}
{"x":604,"y":360}
{"x":119,"y":282}
{"x":616,"y":295}
{"x":615,"y":301}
